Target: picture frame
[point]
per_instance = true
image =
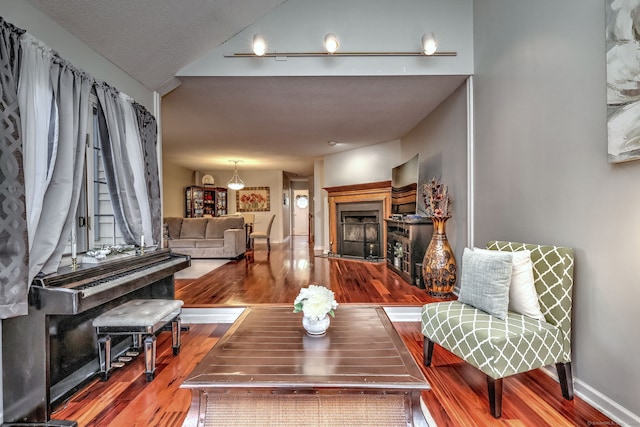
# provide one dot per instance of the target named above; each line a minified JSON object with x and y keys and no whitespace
{"x":253,"y":199}
{"x":623,"y":102}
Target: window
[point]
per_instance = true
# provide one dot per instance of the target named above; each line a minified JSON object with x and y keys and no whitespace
{"x":95,"y":221}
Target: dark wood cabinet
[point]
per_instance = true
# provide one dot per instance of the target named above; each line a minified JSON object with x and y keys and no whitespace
{"x":406,"y":245}
{"x":205,"y":201}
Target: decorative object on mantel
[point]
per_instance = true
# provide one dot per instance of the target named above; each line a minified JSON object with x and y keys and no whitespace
{"x":439,"y":269}
{"x":316,"y":303}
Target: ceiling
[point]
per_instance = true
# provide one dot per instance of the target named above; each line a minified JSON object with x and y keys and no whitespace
{"x":281,"y":123}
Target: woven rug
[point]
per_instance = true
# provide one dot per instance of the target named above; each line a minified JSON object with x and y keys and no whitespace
{"x":305,"y":410}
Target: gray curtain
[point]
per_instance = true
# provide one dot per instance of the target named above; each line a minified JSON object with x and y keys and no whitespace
{"x":149,"y":139}
{"x":14,"y":258}
{"x":118,"y":169}
{"x":71,"y":91}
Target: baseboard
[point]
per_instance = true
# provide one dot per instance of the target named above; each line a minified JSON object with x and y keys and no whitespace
{"x":602,"y":403}
{"x":210,"y":315}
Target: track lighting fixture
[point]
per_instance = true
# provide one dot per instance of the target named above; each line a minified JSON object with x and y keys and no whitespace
{"x":429,"y":47}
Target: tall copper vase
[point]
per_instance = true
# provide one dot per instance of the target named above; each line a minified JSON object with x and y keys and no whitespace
{"x":439,"y":268}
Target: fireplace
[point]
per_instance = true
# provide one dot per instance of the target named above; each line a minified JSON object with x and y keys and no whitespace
{"x":359,"y":232}
{"x":357,"y":212}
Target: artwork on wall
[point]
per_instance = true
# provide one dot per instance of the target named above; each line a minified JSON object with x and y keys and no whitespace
{"x":623,"y":85}
{"x":253,"y":199}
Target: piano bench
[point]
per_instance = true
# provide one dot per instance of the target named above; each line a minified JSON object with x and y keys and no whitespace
{"x":140,"y":318}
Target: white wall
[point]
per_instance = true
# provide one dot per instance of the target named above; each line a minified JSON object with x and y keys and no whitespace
{"x":542,"y":176}
{"x":174,"y":180}
{"x":361,"y":26}
{"x":441,"y":142}
{"x":362,"y":165}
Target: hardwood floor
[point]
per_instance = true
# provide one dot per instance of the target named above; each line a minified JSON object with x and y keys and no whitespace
{"x":458,"y":396}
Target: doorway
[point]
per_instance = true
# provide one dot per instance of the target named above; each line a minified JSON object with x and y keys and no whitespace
{"x":300,"y":212}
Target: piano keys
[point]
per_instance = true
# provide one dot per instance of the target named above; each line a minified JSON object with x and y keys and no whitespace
{"x":52,"y":352}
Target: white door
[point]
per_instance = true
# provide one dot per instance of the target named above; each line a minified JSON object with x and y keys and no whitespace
{"x":300,"y":212}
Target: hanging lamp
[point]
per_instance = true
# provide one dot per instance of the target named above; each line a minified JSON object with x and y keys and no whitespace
{"x":235,"y":183}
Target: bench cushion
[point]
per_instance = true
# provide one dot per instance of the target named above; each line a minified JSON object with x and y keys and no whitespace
{"x":139,"y":313}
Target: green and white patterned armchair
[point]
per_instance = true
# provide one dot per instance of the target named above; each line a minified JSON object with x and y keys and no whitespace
{"x":518,"y":343}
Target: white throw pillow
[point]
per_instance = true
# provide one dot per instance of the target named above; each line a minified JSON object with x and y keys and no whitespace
{"x":523,"y":297}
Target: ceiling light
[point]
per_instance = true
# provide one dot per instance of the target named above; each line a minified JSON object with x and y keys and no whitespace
{"x":259,"y":45}
{"x":235,"y":183}
{"x":429,"y":44}
{"x":332,"y":143}
{"x":331,"y":43}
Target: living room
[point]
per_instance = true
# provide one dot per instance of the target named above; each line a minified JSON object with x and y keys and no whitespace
{"x":537,"y":170}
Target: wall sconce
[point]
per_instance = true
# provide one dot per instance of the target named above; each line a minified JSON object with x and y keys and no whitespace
{"x":235,"y":183}
{"x":429,"y":48}
{"x":331,"y":43}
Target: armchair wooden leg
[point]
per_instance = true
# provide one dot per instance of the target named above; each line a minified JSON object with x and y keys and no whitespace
{"x":566,"y":379}
{"x":495,"y":396}
{"x":427,"y":352}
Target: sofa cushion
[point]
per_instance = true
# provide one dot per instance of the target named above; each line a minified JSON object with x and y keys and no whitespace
{"x":217,"y":226}
{"x":183,"y":243}
{"x":486,"y":276}
{"x":210,"y":243}
{"x":193,"y":228}
{"x":173,"y":226}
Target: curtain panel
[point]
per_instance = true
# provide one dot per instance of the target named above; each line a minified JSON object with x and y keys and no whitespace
{"x":14,"y":256}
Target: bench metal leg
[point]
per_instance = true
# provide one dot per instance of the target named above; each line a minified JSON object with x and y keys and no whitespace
{"x":150,"y":356}
{"x":137,"y":342}
{"x":104,"y":354}
{"x":176,"y":327}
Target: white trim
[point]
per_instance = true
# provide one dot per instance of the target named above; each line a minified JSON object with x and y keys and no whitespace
{"x":601,"y":402}
{"x":403,"y":314}
{"x":470,"y":158}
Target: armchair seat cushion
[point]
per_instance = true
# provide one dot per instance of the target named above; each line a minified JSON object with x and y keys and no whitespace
{"x":489,"y":343}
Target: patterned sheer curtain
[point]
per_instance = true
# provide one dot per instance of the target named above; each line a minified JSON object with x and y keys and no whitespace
{"x":14,"y":258}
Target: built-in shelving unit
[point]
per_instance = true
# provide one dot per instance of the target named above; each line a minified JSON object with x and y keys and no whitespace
{"x":413,"y":239}
{"x":205,"y":201}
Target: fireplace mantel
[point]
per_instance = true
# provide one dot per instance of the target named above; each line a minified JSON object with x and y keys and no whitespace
{"x":358,"y":193}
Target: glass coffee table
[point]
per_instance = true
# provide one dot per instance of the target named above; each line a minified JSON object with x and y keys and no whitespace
{"x":266,"y":370}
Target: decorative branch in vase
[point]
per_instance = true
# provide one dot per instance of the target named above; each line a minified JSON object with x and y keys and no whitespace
{"x":439,"y":270}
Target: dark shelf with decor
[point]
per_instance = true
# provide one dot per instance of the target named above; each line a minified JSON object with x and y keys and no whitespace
{"x":413,"y":238}
{"x":205,"y":201}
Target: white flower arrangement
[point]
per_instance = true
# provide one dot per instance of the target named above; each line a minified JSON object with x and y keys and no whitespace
{"x":315,"y":302}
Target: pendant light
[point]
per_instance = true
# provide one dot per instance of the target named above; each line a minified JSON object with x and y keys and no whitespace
{"x":235,"y":183}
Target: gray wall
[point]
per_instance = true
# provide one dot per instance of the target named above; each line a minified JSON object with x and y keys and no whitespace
{"x":542,"y":174}
{"x":441,"y":141}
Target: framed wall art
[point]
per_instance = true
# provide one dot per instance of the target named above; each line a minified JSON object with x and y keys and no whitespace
{"x":253,"y":199}
{"x":623,"y":85}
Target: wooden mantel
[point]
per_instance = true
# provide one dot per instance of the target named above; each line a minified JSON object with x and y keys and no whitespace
{"x":358,"y":193}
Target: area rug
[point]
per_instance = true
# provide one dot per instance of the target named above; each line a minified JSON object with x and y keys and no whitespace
{"x":200,"y":267}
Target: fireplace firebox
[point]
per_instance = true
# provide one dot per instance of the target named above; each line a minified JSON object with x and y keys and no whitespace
{"x":359,"y":231}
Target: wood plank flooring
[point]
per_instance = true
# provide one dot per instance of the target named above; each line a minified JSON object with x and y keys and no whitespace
{"x":458,"y":396}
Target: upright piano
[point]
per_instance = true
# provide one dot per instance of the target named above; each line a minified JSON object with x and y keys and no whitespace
{"x":50,"y":353}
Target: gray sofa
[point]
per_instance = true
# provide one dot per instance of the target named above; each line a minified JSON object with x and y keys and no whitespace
{"x":219,"y":237}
